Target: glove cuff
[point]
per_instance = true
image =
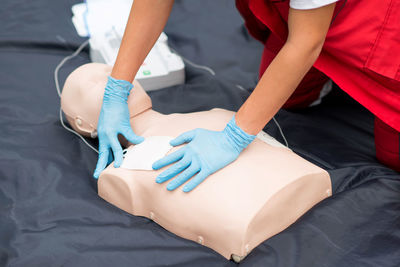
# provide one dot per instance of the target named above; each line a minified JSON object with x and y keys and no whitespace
{"x":240,"y":138}
{"x":117,"y":88}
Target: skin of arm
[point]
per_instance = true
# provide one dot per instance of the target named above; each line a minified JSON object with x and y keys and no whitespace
{"x":307,"y":32}
{"x":146,"y":21}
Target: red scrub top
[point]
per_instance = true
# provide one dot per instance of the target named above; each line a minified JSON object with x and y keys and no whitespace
{"x":361,"y":52}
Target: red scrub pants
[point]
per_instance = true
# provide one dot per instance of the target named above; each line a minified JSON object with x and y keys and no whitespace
{"x":387,"y":144}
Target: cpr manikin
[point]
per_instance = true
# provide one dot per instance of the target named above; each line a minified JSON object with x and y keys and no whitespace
{"x":235,"y":209}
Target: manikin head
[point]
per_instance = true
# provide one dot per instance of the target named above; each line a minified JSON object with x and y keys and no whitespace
{"x":82,"y":97}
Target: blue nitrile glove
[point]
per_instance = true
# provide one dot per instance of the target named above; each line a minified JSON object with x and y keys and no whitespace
{"x":113,"y":120}
{"x":207,"y":152}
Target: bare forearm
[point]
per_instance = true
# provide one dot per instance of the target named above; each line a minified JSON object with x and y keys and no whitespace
{"x":146,"y":21}
{"x":307,"y":32}
{"x":276,"y":85}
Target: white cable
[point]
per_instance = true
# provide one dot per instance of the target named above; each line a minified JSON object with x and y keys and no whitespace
{"x":275,"y":120}
{"x":74,"y":132}
{"x":63,"y":62}
{"x":59,"y":92}
{"x":241,"y":88}
{"x":210,"y":70}
{"x":280,"y":130}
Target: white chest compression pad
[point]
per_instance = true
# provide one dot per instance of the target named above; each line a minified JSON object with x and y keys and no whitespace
{"x":143,"y":155}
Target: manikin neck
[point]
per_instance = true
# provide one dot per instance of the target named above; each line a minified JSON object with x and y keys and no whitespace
{"x":144,"y":120}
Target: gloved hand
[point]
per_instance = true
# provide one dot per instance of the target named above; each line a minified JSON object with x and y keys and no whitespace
{"x":207,"y":152}
{"x":113,"y":120}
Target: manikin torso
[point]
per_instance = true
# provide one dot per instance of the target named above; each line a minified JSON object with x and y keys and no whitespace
{"x":257,"y":196}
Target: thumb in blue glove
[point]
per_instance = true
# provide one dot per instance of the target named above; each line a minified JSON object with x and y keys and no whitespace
{"x":206,"y":152}
{"x":113,"y":120}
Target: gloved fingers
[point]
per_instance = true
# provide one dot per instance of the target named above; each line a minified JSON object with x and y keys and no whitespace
{"x":183,"y":138}
{"x":131,"y":136}
{"x":200,"y":177}
{"x":171,"y":158}
{"x":117,"y":151}
{"x":110,"y":158}
{"x":102,"y":161}
{"x":184,"y":176}
{"x":174,"y":170}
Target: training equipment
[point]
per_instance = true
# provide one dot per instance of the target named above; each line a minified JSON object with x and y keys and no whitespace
{"x":104,"y":22}
{"x":255,"y":197}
